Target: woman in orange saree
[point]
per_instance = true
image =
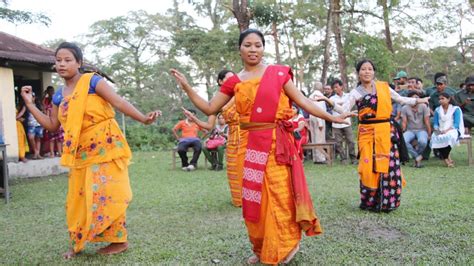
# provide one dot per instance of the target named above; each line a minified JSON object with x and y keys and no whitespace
{"x":94,"y":149}
{"x":235,"y":183}
{"x":276,"y":203}
{"x":232,"y":146}
{"x":381,"y":178}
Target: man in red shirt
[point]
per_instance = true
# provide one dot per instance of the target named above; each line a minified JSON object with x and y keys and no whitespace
{"x":189,"y":138}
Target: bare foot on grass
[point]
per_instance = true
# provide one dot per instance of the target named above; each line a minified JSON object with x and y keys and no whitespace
{"x":291,"y":255}
{"x":113,"y":248}
{"x":69,"y":254}
{"x":254,"y":259}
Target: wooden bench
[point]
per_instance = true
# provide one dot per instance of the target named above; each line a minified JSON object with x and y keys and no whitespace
{"x":174,"y":155}
{"x":468,"y":141}
{"x":327,"y":149}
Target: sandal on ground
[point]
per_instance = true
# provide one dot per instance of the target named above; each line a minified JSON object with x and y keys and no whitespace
{"x":113,"y":248}
{"x":291,"y":255}
{"x":254,"y":259}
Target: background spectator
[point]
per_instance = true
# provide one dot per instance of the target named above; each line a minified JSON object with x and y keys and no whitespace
{"x":219,"y":135}
{"x":447,"y":127}
{"x":465,"y":100}
{"x":343,"y":132}
{"x":416,"y":126}
{"x":189,"y":139}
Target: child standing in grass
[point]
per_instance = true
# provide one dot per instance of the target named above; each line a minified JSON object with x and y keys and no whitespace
{"x":94,"y":149}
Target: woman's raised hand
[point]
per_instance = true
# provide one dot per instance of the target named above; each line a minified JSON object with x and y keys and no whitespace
{"x":151,"y":117}
{"x":180,"y":78}
{"x":27,"y":94}
{"x":188,"y":114}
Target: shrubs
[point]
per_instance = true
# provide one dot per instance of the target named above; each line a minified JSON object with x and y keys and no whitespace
{"x":149,"y":138}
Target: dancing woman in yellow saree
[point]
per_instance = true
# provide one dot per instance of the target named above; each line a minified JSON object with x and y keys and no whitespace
{"x":275,"y":199}
{"x":380,"y":173}
{"x":94,"y":149}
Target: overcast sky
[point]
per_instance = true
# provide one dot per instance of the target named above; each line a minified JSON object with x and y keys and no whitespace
{"x":73,"y":18}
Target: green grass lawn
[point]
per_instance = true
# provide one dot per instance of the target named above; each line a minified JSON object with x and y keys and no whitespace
{"x":186,"y":218}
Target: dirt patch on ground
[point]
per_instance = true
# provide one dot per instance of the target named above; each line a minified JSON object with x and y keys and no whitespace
{"x":375,"y":230}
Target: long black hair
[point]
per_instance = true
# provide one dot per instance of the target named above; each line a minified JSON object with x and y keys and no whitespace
{"x":446,"y":95}
{"x":363,"y":61}
{"x":221,"y":75}
{"x":73,"y":48}
{"x":247,"y":32}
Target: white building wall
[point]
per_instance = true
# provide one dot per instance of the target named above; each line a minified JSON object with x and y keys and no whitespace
{"x":8,"y":119}
{"x":47,"y":80}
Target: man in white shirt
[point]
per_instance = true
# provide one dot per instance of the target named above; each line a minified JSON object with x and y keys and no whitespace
{"x":343,"y":132}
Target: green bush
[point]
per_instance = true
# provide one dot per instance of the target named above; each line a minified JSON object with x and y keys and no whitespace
{"x":149,"y":138}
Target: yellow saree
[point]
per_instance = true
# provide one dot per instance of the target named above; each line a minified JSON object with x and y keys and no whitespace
{"x":97,"y":154}
{"x":381,"y":178}
{"x":22,"y":143}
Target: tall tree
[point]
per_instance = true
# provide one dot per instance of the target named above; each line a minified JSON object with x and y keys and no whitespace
{"x":337,"y":29}
{"x":215,"y":51}
{"x":327,"y":45}
{"x":20,"y":16}
{"x":267,"y":13}
{"x":129,"y":48}
{"x":241,"y":11}
{"x":213,"y":9}
{"x":386,"y":22}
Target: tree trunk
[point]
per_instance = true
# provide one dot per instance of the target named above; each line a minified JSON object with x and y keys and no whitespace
{"x":299,"y":70}
{"x":461,"y":39}
{"x":339,"y":47}
{"x":388,"y":35}
{"x":209,"y":88}
{"x":327,"y":46}
{"x":277,"y":42}
{"x":241,"y":13}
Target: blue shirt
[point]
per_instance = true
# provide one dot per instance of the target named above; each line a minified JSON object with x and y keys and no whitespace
{"x":58,"y":96}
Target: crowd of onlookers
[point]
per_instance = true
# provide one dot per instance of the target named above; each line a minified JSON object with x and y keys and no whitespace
{"x":34,"y":141}
{"x":437,"y":126}
{"x":450,"y":115}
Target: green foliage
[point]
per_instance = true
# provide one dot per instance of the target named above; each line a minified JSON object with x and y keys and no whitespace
{"x":359,"y":46}
{"x":266,"y":12}
{"x":149,"y":138}
{"x":23,"y":17}
{"x":216,"y":51}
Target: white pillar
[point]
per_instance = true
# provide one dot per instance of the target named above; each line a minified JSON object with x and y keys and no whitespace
{"x":46,"y":79}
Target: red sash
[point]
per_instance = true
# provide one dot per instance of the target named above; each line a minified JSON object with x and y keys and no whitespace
{"x":287,"y":153}
{"x":260,"y":141}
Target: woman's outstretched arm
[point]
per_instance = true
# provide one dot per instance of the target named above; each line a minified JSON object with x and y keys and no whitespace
{"x":209,"y":108}
{"x":209,"y":125}
{"x":105,"y":91}
{"x":308,"y":105}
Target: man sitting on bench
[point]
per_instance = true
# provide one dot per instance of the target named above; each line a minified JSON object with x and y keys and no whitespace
{"x":416,"y":126}
{"x":189,"y":139}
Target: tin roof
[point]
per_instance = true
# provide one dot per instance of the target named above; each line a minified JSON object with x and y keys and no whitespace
{"x":16,"y":49}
